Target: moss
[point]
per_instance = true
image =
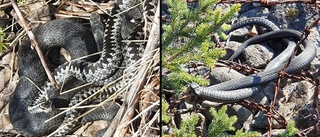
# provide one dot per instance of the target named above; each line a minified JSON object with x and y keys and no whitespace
{"x":292,"y":14}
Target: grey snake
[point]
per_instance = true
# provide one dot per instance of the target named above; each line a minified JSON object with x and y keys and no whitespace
{"x":30,"y":107}
{"x":242,"y":88}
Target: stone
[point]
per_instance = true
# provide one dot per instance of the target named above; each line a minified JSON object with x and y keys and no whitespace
{"x":258,"y":55}
{"x":242,"y":114}
{"x":260,"y":121}
{"x":255,"y":12}
{"x":305,"y":117}
{"x":230,"y":48}
{"x":298,"y":92}
{"x":240,"y":34}
{"x":221,"y":74}
{"x":270,"y":89}
{"x":260,"y":98}
{"x":292,"y":15}
{"x":166,"y":129}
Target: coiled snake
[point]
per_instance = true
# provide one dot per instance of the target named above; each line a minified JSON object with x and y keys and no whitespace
{"x":34,"y":101}
{"x":242,"y":88}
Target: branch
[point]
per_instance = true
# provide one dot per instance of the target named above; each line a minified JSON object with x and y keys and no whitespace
{"x":34,"y":43}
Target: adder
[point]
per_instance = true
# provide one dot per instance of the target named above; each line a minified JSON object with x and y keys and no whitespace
{"x":34,"y":101}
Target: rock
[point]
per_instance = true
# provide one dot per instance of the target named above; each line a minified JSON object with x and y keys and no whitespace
{"x":314,"y":37}
{"x":260,"y":121}
{"x":242,"y":114}
{"x":166,"y":129}
{"x":221,"y":74}
{"x":185,"y":105}
{"x":255,"y":12}
{"x":287,"y":110}
{"x":257,"y":55}
{"x":292,"y":15}
{"x":315,"y":64}
{"x":305,"y":117}
{"x":193,"y":5}
{"x":269,"y":92}
{"x":240,"y":34}
{"x":299,"y":92}
{"x":260,"y":98}
{"x":295,"y":96}
{"x":277,"y":14}
{"x":230,"y":48}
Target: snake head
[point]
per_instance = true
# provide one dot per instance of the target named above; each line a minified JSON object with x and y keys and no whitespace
{"x":44,"y":106}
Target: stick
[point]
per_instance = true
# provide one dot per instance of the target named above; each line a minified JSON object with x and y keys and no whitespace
{"x":34,"y":43}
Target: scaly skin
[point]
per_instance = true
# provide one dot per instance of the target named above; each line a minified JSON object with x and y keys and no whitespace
{"x":238,"y":89}
{"x":38,"y":107}
{"x":30,"y":67}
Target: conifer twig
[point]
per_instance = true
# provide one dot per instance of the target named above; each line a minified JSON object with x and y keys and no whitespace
{"x":34,"y":43}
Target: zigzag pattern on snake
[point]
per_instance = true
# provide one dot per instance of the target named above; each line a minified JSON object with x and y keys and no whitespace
{"x":28,"y":116}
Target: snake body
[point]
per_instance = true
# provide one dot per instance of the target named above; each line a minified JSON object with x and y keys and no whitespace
{"x":117,"y":57}
{"x":269,"y":26}
{"x":130,"y":57}
{"x":234,"y":90}
{"x":30,"y":67}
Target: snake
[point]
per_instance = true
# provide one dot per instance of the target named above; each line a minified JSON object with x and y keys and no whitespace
{"x":242,"y":88}
{"x":33,"y":124}
{"x":35,"y":99}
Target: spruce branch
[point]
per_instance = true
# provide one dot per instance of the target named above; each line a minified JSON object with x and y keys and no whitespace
{"x":187,"y":37}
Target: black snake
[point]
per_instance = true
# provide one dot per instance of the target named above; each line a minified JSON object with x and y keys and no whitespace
{"x":30,"y":107}
{"x":242,"y":88}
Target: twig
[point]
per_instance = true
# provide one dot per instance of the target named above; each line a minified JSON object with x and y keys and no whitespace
{"x":84,"y":13}
{"x":157,"y":103}
{"x":153,"y":120}
{"x":34,"y":43}
{"x":102,"y":9}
